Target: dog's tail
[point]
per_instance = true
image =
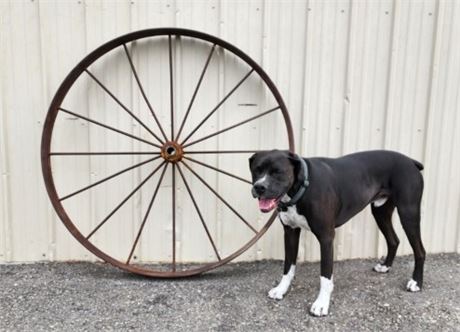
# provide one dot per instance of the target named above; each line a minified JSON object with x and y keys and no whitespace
{"x":418,"y":164}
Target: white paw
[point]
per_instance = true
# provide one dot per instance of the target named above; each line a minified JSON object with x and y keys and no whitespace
{"x":381,"y":268}
{"x":320,"y":307}
{"x":412,"y":286}
{"x":276,"y":293}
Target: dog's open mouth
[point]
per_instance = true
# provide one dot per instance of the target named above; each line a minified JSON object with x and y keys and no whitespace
{"x":267,"y":204}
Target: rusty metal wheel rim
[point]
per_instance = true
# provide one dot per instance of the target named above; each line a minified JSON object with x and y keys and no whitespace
{"x":170,"y":150}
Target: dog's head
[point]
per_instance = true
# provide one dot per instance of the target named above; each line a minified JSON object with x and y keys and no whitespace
{"x":273,"y":174}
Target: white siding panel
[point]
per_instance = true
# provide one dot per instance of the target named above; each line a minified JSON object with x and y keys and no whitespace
{"x":325,"y":74}
{"x":442,"y":154}
{"x":24,"y":107}
{"x":355,"y":75}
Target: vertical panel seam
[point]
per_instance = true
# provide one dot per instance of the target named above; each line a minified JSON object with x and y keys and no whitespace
{"x":264,"y":64}
{"x":432,"y":76}
{"x":457,"y":103}
{"x":388,"y":93}
{"x":330,"y":111}
{"x":452,"y":170}
{"x":136,"y":213}
{"x":417,"y":72}
{"x":92,"y":212}
{"x":51,"y":222}
{"x":346,"y":108}
{"x":4,"y":165}
{"x":444,"y":119}
{"x":301,"y":135}
{"x":433,"y":87}
{"x":6,"y":214}
{"x":220,"y":93}
{"x":301,"y":144}
{"x":319,"y":70}
{"x":347,"y":77}
{"x":374,"y":227}
{"x":404,"y":77}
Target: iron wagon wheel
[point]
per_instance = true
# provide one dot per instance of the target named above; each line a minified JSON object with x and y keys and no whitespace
{"x":169,"y":147}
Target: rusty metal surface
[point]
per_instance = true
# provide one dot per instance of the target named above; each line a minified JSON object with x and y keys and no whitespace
{"x":172,"y":151}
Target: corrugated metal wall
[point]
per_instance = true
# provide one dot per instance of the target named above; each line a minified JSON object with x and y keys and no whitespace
{"x":355,"y":75}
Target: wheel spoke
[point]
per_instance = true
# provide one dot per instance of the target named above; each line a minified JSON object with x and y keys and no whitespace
{"x":100,"y":153}
{"x":223,"y":151}
{"x":108,"y":127}
{"x":199,"y":213}
{"x":133,"y":69}
{"x":217,"y":169}
{"x":218,"y":196}
{"x":218,"y":105}
{"x":107,"y":178}
{"x":171,"y":87}
{"x":147,"y":213}
{"x":124,"y":201}
{"x":173,"y":188}
{"x":196,"y":91}
{"x":232,"y":127}
{"x":122,"y":105}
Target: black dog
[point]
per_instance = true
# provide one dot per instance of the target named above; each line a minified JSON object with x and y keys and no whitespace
{"x":321,"y":194}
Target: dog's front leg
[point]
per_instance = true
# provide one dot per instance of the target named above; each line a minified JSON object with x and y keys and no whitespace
{"x":291,"y":248}
{"x":321,"y":306}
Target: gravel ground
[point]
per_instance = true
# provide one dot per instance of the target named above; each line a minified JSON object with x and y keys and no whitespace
{"x":96,"y":296}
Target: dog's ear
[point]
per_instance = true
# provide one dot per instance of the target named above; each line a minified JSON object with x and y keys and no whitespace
{"x":292,"y":156}
{"x":251,"y":159}
{"x":295,"y":161}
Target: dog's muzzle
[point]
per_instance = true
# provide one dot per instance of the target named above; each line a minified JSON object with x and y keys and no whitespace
{"x":265,"y":204}
{"x":258,"y":190}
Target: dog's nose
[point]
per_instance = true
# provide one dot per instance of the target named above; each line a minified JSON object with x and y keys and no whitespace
{"x":259,"y":188}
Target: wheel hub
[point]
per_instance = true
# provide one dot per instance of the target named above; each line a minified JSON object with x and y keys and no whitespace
{"x":172,"y":152}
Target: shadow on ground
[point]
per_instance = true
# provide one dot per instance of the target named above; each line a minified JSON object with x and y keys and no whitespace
{"x":96,"y":296}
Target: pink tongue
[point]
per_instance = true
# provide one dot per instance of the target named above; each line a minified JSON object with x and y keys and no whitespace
{"x":267,"y":204}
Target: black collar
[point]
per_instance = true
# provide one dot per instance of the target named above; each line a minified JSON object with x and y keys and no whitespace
{"x":282,"y":206}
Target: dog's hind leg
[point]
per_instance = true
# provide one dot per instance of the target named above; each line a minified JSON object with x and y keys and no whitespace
{"x":407,"y":201}
{"x":291,"y":248}
{"x":410,"y":219}
{"x":382,"y":215}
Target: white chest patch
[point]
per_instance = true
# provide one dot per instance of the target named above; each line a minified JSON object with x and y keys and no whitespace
{"x":292,"y":219}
